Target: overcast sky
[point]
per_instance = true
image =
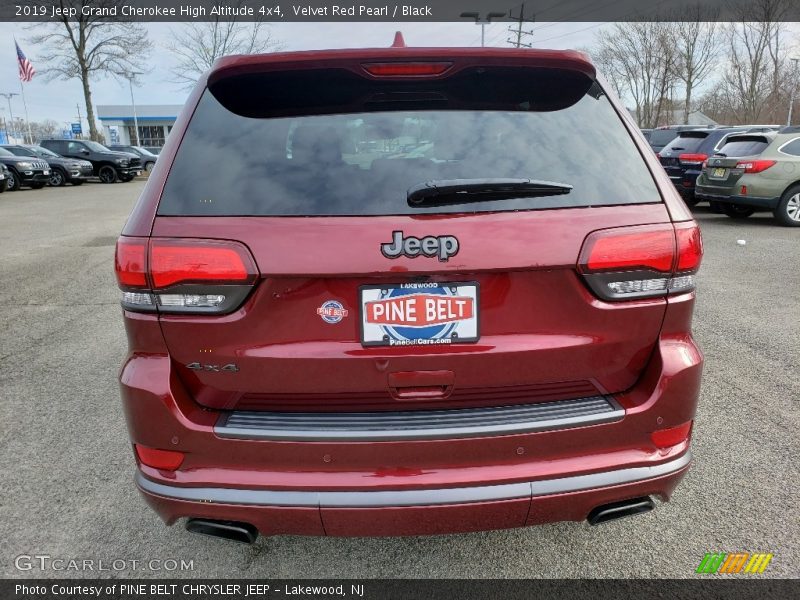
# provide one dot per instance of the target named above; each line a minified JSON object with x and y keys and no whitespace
{"x":57,"y":99}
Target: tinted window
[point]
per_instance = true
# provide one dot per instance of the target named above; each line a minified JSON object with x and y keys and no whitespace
{"x":749,"y":146}
{"x":19,"y":151}
{"x":686,"y":142}
{"x":792,"y":147}
{"x":661,"y":137}
{"x":4,"y":152}
{"x":362,"y":162}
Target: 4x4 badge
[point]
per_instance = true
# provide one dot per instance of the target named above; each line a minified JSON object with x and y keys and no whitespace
{"x":443,"y":246}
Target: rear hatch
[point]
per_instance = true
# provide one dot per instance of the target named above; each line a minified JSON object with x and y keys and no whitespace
{"x":724,"y":169}
{"x":682,"y":153}
{"x":416,"y":229}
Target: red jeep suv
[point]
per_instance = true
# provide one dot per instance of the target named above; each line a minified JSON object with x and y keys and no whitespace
{"x":426,"y":291}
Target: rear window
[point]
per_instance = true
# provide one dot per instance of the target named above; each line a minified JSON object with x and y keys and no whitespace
{"x":744,"y":146}
{"x":662,"y":137}
{"x":348,"y":146}
{"x":687,"y":142}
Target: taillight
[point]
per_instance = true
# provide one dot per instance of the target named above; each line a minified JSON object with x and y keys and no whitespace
{"x":754,"y":166}
{"x":183,"y":275}
{"x":406,"y":69}
{"x":129,"y":262}
{"x":641,"y":262}
{"x":692,"y":159}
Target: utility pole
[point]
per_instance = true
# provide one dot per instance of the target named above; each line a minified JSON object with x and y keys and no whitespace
{"x":794,"y":91}
{"x":8,"y":97}
{"x":130,"y":76}
{"x":517,"y":29}
{"x":80,"y":122}
{"x":483,"y":21}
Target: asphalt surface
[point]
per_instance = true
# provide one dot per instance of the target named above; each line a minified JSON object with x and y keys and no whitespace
{"x":67,"y":492}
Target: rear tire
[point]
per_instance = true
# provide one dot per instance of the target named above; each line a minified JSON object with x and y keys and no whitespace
{"x":788,"y":210}
{"x":108,"y":174}
{"x":737,"y":212}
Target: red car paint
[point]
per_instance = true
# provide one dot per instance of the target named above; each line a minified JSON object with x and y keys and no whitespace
{"x":545,"y":337}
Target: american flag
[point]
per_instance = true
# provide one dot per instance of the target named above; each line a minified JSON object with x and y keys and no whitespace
{"x":26,"y":70}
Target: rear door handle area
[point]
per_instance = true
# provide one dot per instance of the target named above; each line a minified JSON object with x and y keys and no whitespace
{"x":421,"y":385}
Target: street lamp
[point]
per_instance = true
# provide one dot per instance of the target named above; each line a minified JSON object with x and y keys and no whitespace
{"x":483,"y":22}
{"x":8,"y":97}
{"x":794,"y":89}
{"x":130,"y":76}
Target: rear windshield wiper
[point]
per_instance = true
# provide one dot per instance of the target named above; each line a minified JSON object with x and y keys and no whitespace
{"x":443,"y":192}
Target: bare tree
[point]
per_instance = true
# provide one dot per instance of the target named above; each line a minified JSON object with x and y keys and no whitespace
{"x":752,"y":82}
{"x":639,"y":57}
{"x":198,"y":45}
{"x":696,"y":37}
{"x":87,"y":46}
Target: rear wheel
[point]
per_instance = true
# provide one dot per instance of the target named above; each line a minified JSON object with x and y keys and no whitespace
{"x":788,"y":210}
{"x":58,"y":178}
{"x":108,"y":174}
{"x":737,"y":212}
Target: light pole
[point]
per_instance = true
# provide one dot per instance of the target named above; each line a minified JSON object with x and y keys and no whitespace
{"x":483,"y":22}
{"x":130,"y":76}
{"x":8,"y":97}
{"x":794,"y":89}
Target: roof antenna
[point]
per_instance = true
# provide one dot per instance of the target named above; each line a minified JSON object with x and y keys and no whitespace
{"x":398,"y":42}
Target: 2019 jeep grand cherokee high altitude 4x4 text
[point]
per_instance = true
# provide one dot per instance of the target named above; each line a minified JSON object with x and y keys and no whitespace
{"x":432,"y":290}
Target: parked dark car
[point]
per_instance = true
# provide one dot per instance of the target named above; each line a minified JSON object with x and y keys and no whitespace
{"x":24,"y":171}
{"x":684,"y":156}
{"x":661,"y":136}
{"x":62,"y":170}
{"x":108,"y":165}
{"x":453,"y":329}
{"x":148,"y":158}
{"x":3,"y":178}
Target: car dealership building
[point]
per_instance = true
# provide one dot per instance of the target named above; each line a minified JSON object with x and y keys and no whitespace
{"x":155,"y":122}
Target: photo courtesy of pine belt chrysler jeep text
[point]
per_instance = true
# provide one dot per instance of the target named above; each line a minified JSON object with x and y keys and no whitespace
{"x":432,"y":291}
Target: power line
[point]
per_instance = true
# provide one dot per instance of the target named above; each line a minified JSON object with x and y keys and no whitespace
{"x":518,"y":31}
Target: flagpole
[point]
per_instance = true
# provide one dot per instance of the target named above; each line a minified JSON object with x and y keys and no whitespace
{"x":25,"y":104}
{"x":22,"y":90}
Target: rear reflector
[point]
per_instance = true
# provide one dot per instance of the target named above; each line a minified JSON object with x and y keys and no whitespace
{"x":665,"y":438}
{"x":406,"y":69}
{"x":754,"y":166}
{"x":166,"y":460}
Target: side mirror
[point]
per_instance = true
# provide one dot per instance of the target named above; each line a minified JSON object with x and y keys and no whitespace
{"x":85,"y":151}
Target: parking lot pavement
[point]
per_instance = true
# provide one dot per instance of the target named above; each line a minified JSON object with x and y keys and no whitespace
{"x":67,"y":488}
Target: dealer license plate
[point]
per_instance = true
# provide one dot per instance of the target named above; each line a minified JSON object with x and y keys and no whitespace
{"x":419,"y":314}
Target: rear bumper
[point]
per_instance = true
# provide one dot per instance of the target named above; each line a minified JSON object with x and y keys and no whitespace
{"x":754,"y":201}
{"x":417,"y":511}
